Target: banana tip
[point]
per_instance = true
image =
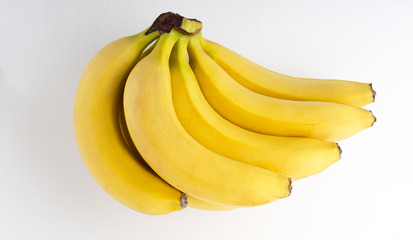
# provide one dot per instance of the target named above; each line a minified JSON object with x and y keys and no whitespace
{"x":374,"y":118}
{"x":184,"y":200}
{"x":340,"y":151}
{"x":290,"y":186}
{"x":373,"y":92}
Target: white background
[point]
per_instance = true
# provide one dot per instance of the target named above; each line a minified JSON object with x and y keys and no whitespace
{"x":47,"y":192}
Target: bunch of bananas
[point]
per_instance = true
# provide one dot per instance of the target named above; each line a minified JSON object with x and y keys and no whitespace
{"x":166,"y":118}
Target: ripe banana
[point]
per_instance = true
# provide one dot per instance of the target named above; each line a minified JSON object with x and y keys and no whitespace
{"x":123,"y":175}
{"x":292,"y":157}
{"x":273,"y":84}
{"x":267,"y":115}
{"x":174,"y":154}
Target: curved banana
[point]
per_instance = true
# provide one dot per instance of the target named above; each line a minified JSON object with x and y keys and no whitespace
{"x":174,"y":154}
{"x":267,"y":115}
{"x":191,"y":201}
{"x":96,"y":113}
{"x":292,"y":157}
{"x":273,"y":84}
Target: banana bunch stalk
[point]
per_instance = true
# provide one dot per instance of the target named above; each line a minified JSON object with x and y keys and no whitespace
{"x":165,"y":119}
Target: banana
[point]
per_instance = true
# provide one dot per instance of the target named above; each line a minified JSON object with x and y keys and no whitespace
{"x":96,"y":113}
{"x":174,"y":154}
{"x":191,"y":201}
{"x":272,"y":116}
{"x":293,"y":157}
{"x":273,"y":84}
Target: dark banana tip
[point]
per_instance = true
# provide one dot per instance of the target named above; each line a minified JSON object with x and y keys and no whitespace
{"x":290,"y":186}
{"x":340,"y":150}
{"x":373,"y":92}
{"x":184,"y":200}
{"x":375,"y":119}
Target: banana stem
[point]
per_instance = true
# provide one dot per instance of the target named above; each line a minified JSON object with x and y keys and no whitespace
{"x":165,"y":22}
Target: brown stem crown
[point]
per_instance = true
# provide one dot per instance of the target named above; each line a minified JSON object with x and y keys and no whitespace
{"x":165,"y":22}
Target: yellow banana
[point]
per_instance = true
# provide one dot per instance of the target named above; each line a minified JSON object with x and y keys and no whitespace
{"x":267,"y":115}
{"x":174,"y":154}
{"x":96,"y":120}
{"x":273,"y":84}
{"x":293,"y":157}
{"x":191,"y":201}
